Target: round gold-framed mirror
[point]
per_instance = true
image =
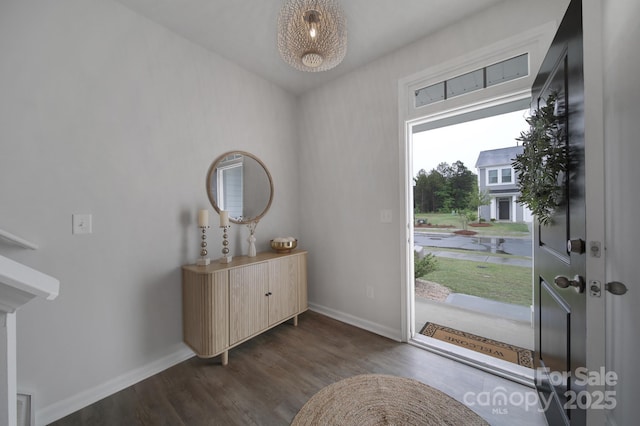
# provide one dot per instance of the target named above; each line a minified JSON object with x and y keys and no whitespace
{"x":239,"y":183}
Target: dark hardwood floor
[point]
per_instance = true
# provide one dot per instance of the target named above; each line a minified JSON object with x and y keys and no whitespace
{"x":270,"y":377}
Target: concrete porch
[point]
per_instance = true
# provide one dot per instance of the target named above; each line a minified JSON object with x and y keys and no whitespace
{"x":482,"y":317}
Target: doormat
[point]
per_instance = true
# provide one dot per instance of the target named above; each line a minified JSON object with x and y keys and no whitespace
{"x":493,"y":348}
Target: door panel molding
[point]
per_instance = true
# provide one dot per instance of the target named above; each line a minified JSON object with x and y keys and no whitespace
{"x":561,"y":312}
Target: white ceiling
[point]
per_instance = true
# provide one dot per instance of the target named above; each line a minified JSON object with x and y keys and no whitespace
{"x":244,"y":31}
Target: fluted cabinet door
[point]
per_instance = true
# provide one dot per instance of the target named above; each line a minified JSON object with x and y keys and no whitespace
{"x":205,"y":299}
{"x":283,"y":288}
{"x":248,"y":301}
{"x":225,"y":304}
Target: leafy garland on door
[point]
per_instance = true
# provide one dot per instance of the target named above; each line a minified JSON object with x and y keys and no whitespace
{"x":542,"y":164}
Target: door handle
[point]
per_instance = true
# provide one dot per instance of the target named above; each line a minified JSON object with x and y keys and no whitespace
{"x":577,"y":282}
{"x":616,"y":287}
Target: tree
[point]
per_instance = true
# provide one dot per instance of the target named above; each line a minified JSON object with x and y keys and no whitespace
{"x":444,"y":190}
{"x":447,"y":187}
{"x":461,"y":184}
{"x":420,"y":195}
{"x":435,"y":183}
{"x":479,"y":198}
{"x":466,"y":216}
{"x":444,"y":169}
{"x":427,"y":191}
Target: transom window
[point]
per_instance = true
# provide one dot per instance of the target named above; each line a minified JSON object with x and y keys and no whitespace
{"x":482,"y":78}
{"x":499,"y":176}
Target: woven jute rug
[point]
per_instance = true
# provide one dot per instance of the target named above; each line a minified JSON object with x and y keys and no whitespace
{"x":378,"y":399}
{"x":500,"y":350}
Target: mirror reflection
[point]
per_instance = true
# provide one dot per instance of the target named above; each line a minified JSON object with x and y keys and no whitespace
{"x":240,"y":183}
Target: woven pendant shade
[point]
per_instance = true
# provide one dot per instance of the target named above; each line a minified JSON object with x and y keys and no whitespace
{"x":312,"y":34}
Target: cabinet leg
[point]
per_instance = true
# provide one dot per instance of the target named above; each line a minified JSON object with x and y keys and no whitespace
{"x":295,"y":321}
{"x":225,"y":357}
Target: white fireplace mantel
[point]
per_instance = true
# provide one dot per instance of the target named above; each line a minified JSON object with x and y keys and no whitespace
{"x":18,"y":285}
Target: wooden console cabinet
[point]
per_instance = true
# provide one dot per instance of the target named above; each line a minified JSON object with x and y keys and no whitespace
{"x":224,"y":305}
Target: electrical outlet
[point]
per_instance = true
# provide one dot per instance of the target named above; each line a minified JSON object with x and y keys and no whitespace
{"x":370,"y":293}
{"x":81,"y":224}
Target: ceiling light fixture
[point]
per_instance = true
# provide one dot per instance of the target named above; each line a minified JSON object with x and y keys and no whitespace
{"x":312,"y":34}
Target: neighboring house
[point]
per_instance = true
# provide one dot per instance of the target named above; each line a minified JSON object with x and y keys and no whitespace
{"x":497,"y":177}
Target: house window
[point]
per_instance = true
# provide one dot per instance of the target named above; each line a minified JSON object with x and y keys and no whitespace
{"x":499,"y":176}
{"x":506,"y":175}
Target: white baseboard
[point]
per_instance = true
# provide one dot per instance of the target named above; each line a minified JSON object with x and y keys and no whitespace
{"x":63,"y":408}
{"x":373,"y":327}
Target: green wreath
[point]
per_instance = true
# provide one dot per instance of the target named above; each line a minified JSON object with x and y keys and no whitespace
{"x":542,"y":164}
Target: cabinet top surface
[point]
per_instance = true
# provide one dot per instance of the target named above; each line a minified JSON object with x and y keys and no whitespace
{"x":238,"y":261}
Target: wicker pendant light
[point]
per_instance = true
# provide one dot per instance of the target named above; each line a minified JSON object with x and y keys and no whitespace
{"x":312,"y":34}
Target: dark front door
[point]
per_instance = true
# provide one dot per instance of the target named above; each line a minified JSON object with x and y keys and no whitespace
{"x":504,"y":205}
{"x":559,"y":259}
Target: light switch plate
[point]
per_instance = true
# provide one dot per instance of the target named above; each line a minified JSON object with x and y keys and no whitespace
{"x":81,"y":224}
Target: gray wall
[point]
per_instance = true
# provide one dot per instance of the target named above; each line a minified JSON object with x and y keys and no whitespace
{"x":104,"y":112}
{"x":350,"y":167}
{"x":622,"y":153}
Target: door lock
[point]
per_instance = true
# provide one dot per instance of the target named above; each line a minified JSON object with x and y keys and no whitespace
{"x":576,"y":246}
{"x":577,"y":282}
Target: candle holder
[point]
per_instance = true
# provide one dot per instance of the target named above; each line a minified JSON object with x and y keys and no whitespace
{"x":203,"y":260}
{"x":226,"y":258}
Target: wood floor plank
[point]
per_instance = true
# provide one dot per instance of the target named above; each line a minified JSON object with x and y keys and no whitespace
{"x":269,"y":378}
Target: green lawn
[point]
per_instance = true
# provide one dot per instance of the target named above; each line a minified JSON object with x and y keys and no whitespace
{"x":503,"y":229}
{"x":504,"y":283}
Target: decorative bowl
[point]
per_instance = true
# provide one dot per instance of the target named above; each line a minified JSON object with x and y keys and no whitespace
{"x":283,"y":246}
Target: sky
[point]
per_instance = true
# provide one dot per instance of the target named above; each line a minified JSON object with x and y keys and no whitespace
{"x":465,"y":141}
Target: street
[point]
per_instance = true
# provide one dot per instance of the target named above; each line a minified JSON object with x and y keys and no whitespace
{"x":512,"y":246}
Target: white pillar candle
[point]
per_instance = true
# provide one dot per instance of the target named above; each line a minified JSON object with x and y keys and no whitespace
{"x":203,"y":218}
{"x":224,"y":218}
